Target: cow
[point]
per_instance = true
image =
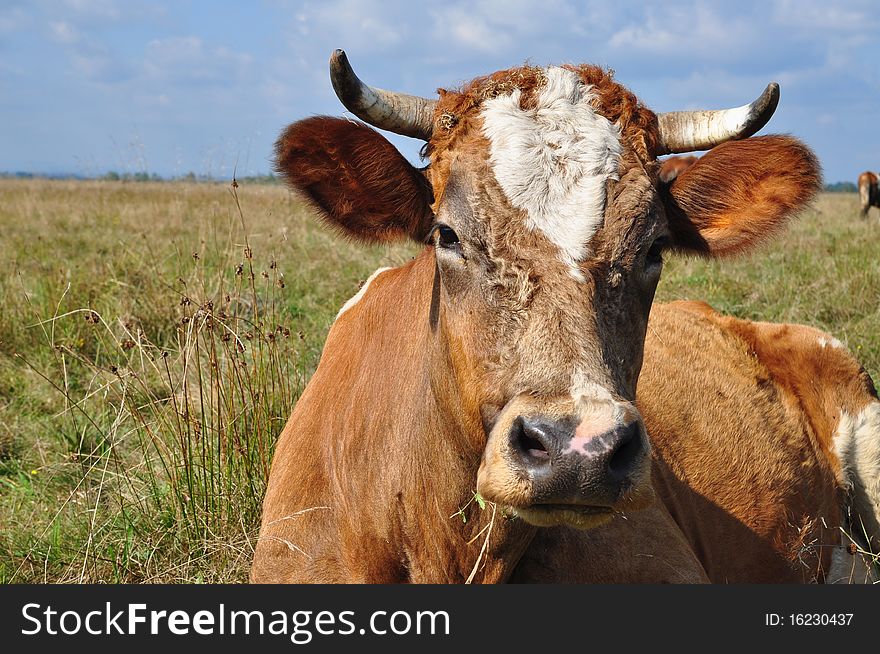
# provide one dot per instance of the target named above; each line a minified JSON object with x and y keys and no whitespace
{"x":869,"y":192}
{"x":503,"y":358}
{"x":766,"y":453}
{"x":671,"y":167}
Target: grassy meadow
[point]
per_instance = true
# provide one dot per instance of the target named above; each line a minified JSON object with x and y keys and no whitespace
{"x":155,"y":336}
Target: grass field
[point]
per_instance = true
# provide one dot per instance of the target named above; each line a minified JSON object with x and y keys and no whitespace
{"x":154,"y":337}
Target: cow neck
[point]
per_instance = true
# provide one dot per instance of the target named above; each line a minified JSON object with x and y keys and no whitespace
{"x":431,"y":432}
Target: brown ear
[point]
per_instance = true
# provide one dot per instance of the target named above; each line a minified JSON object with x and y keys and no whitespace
{"x":358,"y":181}
{"x":740,"y":193}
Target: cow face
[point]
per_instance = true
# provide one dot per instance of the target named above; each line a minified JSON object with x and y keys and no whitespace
{"x":547,"y":220}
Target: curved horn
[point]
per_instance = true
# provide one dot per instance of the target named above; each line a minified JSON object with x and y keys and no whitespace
{"x":404,"y":114}
{"x":686,"y":131}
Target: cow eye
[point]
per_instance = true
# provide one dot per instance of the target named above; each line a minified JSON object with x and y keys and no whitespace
{"x":655,"y":254}
{"x":446,"y":237}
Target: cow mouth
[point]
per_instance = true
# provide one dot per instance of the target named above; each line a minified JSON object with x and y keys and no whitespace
{"x":578,"y":508}
{"x":571,"y":515}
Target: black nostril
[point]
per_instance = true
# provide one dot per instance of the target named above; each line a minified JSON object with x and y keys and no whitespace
{"x":627,"y":450}
{"x":527,"y":439}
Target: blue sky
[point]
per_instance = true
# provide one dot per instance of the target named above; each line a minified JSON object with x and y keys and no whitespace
{"x":88,"y":86}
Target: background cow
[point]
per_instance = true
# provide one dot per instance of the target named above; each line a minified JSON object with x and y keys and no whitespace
{"x":869,"y":192}
{"x":507,"y":352}
{"x":671,"y":167}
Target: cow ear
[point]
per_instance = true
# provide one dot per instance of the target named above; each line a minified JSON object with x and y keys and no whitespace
{"x":356,"y":179}
{"x":740,"y":193}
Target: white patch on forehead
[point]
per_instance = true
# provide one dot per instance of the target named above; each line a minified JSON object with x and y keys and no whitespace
{"x":360,"y":294}
{"x":553,"y":161}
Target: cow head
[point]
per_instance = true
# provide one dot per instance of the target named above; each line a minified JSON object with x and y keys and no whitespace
{"x":547,"y":221}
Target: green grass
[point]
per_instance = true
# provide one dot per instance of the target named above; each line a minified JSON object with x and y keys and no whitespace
{"x":153,"y":340}
{"x":154,"y":337}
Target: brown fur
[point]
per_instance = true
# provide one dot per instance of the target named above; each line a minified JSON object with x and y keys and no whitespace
{"x":869,"y":192}
{"x":742,"y":416}
{"x":357,"y":180}
{"x":387,"y":519}
{"x":642,"y":547}
{"x":764,"y":177}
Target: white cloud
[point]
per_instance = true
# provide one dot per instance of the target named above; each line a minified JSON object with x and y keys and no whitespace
{"x":190,"y":58}
{"x":821,"y":17}
{"x":109,"y":11}
{"x":63,"y":32}
{"x":468,"y":29}
{"x":13,"y":19}
{"x":365,"y":25}
{"x":685,"y":32}
{"x":87,"y":56}
{"x":173,"y":50}
{"x":501,"y":26}
{"x":104,"y":8}
{"x":381,"y":34}
{"x":96,"y":64}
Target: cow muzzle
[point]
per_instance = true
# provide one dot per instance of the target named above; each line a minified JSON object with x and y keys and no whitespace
{"x":577,"y":469}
